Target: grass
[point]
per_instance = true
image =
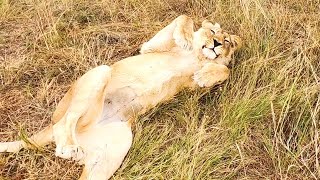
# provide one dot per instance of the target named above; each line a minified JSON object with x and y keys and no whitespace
{"x":263,"y":123}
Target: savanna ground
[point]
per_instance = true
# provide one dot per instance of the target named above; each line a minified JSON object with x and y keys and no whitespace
{"x":263,"y":123}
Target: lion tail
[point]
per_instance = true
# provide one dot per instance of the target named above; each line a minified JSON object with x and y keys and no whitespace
{"x":40,"y":139}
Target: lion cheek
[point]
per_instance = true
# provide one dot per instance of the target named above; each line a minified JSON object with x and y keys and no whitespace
{"x":208,"y":53}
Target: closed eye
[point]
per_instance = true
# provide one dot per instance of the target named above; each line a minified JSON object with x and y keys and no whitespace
{"x":226,"y":41}
{"x":213,"y":31}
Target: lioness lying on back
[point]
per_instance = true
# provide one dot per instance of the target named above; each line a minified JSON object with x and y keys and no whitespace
{"x":92,"y":123}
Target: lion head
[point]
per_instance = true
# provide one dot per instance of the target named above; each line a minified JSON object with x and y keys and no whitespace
{"x":211,"y":42}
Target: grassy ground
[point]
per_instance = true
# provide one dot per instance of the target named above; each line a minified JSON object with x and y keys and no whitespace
{"x":263,"y":123}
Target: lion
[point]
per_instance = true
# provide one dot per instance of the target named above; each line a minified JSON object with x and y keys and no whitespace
{"x":92,"y":122}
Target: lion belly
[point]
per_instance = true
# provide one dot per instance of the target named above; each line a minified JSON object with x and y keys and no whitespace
{"x":141,"y":82}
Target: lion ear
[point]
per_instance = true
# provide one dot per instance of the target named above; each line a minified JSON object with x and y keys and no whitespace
{"x":236,"y":41}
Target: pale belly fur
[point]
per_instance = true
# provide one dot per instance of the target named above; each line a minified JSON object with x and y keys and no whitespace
{"x":134,"y":89}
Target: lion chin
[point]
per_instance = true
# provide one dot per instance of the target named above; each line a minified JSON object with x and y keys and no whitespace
{"x":92,"y":122}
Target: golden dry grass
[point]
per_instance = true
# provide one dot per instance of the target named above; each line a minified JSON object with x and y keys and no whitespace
{"x":263,"y":123}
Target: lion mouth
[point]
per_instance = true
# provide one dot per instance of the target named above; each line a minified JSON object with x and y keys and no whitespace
{"x":214,"y":51}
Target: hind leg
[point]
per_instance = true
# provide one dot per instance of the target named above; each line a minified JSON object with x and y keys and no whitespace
{"x":82,"y":100}
{"x":84,"y":106}
{"x":106,"y":148}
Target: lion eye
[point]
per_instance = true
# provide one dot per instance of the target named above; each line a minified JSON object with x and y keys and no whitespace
{"x":226,"y":41}
{"x":213,"y":31}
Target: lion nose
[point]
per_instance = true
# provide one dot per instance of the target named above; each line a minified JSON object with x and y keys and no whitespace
{"x":216,"y":43}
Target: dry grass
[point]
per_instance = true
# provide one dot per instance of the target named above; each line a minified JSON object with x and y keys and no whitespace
{"x":263,"y":123}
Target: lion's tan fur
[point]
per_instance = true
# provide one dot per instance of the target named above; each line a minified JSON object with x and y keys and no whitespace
{"x":92,"y":123}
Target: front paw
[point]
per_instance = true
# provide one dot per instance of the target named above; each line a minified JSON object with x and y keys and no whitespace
{"x":183,"y":38}
{"x":201,"y":79}
{"x":211,"y":74}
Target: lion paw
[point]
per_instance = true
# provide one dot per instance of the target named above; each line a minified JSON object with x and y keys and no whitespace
{"x":183,"y":39}
{"x":74,"y":152}
{"x":211,"y":74}
{"x":201,"y":79}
